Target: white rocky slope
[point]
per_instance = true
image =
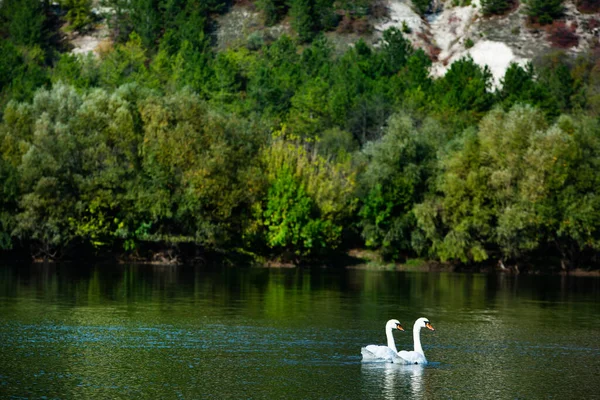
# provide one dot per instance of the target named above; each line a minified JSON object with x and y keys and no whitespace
{"x":496,"y":41}
{"x":444,"y":34}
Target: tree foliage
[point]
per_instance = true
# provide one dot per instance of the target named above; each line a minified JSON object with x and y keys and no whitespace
{"x":287,"y":147}
{"x":399,"y":165}
{"x":493,"y":7}
{"x":544,"y":11}
{"x":504,"y":188}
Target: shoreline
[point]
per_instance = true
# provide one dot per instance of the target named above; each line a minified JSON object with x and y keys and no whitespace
{"x":360,"y":259}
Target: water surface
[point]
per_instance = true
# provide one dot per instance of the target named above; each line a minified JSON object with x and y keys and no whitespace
{"x":126,"y":332}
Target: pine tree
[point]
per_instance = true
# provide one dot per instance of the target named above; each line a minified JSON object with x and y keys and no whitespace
{"x":302,"y":13}
{"x":24,"y":20}
{"x":79,"y":14}
{"x":544,"y":11}
{"x":272,"y":10}
{"x":491,"y":7}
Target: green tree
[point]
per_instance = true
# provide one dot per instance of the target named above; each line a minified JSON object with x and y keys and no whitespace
{"x":395,"y":50}
{"x":422,"y":5}
{"x":8,"y":201}
{"x":274,"y":78}
{"x":554,"y":75}
{"x":492,"y":7}
{"x":510,"y":186}
{"x":125,"y":64}
{"x":544,"y":11}
{"x":195,"y":162}
{"x":465,"y":91}
{"x":272,"y":10}
{"x":303,"y":19}
{"x":521,"y":85}
{"x":399,"y":165}
{"x":146,"y":20}
{"x":49,"y":172}
{"x":79,"y":14}
{"x":306,"y":202}
{"x":290,"y":218}
{"x":76,"y":70}
{"x":25,"y":21}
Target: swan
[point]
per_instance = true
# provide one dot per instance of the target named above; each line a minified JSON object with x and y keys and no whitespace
{"x":417,"y":356}
{"x":388,"y":353}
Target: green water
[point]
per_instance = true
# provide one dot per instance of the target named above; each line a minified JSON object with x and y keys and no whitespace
{"x":129,"y":332}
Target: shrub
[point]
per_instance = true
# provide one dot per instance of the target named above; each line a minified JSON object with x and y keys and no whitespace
{"x":593,"y":23}
{"x":563,"y":36}
{"x":544,"y":11}
{"x":588,"y":6}
{"x":495,"y":7}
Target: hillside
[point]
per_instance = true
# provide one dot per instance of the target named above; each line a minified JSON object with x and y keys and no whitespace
{"x":297,"y":130}
{"x":447,"y":32}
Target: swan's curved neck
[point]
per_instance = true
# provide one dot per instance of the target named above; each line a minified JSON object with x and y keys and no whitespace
{"x":417,"y":339}
{"x":390,"y":340}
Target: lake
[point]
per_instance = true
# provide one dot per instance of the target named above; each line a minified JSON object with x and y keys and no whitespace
{"x":191,"y":332}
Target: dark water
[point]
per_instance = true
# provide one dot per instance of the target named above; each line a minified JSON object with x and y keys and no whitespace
{"x":194,"y":333}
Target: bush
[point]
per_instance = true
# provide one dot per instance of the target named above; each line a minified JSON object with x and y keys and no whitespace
{"x":422,"y":5}
{"x":544,"y":11}
{"x":563,"y":36}
{"x":588,"y":6}
{"x":496,"y":7}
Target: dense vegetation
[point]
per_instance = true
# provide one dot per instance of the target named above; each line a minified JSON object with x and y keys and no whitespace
{"x":284,"y":149}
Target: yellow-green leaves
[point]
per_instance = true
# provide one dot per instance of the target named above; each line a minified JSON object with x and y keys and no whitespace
{"x":513,"y":186}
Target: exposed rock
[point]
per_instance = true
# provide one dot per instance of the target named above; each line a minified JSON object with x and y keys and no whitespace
{"x":454,"y":32}
{"x":447,"y":34}
{"x":88,"y":42}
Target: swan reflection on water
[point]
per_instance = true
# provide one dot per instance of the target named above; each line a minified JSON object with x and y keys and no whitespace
{"x":394,"y":380}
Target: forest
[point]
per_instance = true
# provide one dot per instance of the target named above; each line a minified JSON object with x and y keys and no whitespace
{"x":284,"y":149}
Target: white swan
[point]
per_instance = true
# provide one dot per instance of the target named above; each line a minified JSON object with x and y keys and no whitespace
{"x":417,"y":356}
{"x":387,"y":353}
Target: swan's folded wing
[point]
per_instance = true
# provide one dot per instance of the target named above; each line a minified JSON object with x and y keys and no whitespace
{"x":373,"y":352}
{"x":412,"y":357}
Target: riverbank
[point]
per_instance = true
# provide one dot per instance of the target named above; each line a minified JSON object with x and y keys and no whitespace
{"x":372,"y":260}
{"x":157,"y":254}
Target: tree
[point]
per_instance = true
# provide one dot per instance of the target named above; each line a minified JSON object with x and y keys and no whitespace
{"x":496,"y":7}
{"x":521,"y":85}
{"x":272,"y":10}
{"x":79,"y":14}
{"x":544,"y":11}
{"x":395,"y":50}
{"x":509,"y":189}
{"x":124,"y":64}
{"x":422,"y":6}
{"x":24,"y":20}
{"x":303,"y":19}
{"x":464,"y":94}
{"x":307,"y":200}
{"x":466,"y":87}
{"x":146,"y":21}
{"x":554,"y":75}
{"x":399,"y":165}
{"x":49,"y":172}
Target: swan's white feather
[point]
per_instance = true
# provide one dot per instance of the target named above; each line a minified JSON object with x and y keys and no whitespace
{"x":412,"y":357}
{"x":417,"y":356}
{"x":374,"y":352}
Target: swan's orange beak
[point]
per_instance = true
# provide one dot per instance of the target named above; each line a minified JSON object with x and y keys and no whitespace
{"x":399,"y":327}
{"x":428,"y":326}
